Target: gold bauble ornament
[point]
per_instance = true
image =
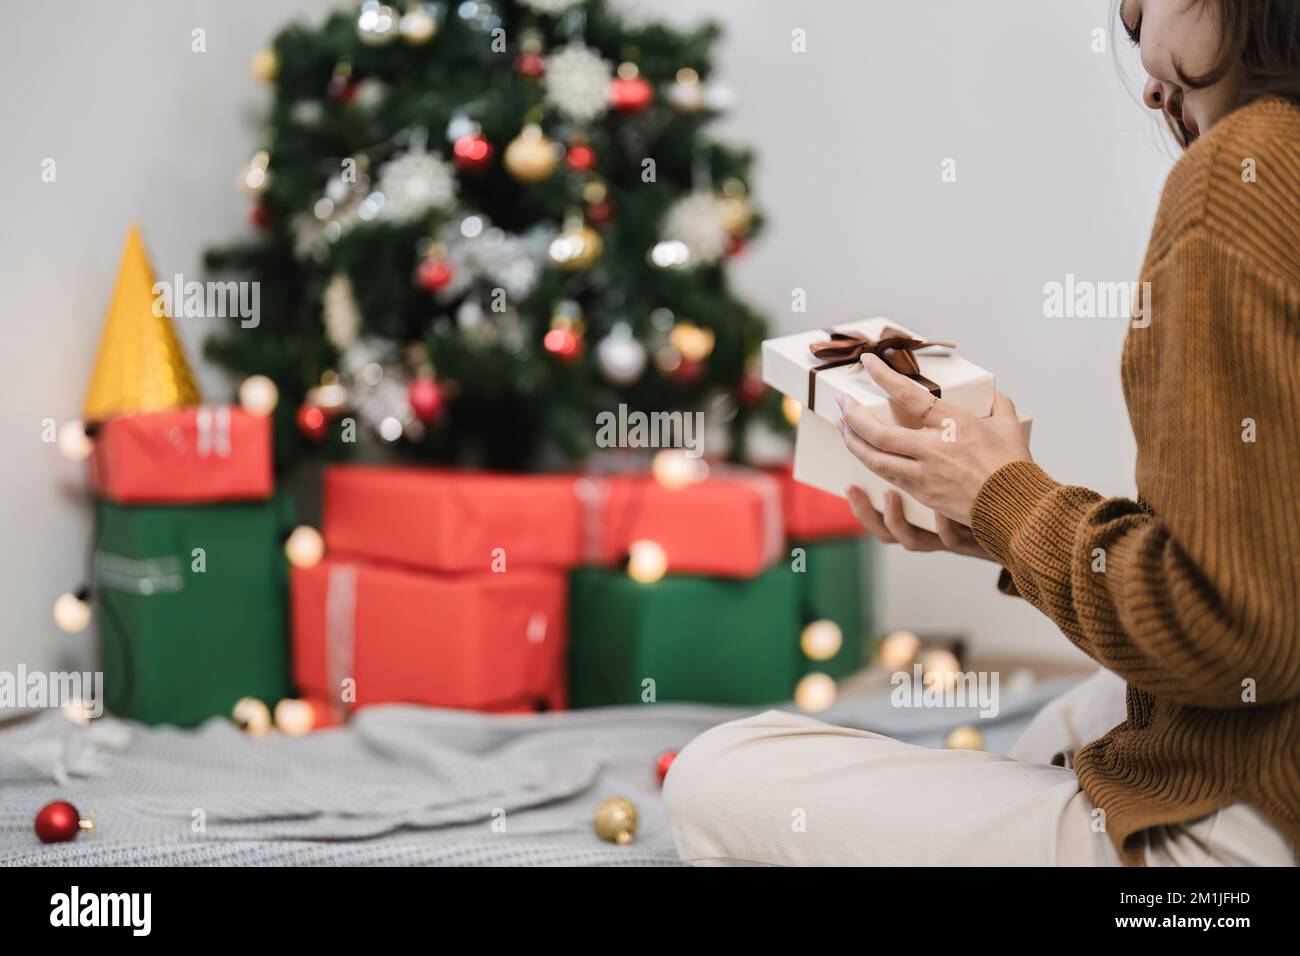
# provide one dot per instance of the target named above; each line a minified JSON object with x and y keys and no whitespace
{"x":736,"y":214}
{"x":965,"y":737}
{"x":616,"y":821}
{"x":140,"y":367}
{"x":265,"y":65}
{"x":531,"y":156}
{"x":576,"y":248}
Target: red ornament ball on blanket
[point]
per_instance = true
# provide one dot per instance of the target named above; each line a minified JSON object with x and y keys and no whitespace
{"x":663,"y":763}
{"x":59,"y":822}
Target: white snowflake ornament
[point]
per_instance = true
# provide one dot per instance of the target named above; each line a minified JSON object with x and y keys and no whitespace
{"x":415,"y":183}
{"x":577,"y":81}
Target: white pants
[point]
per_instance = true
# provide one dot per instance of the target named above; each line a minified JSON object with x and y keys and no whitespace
{"x":782,"y":789}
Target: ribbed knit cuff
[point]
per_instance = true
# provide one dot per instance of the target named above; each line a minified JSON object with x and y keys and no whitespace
{"x":1004,"y":503}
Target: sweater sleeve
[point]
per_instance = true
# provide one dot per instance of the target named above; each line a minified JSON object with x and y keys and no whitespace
{"x":1200,"y":602}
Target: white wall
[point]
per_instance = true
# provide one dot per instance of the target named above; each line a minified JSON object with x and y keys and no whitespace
{"x":1058,"y":171}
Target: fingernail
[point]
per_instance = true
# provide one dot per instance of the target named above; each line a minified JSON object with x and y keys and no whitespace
{"x":869,"y":359}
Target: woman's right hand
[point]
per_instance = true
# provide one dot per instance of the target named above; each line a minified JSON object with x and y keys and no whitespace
{"x":892,"y":528}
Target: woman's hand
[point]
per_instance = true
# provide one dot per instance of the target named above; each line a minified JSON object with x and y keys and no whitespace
{"x":945,"y":461}
{"x":892,"y":528}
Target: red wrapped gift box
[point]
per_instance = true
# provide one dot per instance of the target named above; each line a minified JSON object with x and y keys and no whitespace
{"x":728,"y":525}
{"x":444,"y":520}
{"x":492,"y":642}
{"x":811,"y":513}
{"x":190,"y":455}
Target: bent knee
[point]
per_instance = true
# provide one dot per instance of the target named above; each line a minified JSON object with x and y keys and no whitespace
{"x":715,"y":777}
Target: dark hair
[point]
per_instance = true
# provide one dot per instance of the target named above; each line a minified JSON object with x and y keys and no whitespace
{"x":1264,"y":36}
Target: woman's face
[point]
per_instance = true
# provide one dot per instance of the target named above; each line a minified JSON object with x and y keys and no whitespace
{"x":1181,"y":38}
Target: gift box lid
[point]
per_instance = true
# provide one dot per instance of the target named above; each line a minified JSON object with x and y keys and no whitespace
{"x":443,"y":519}
{"x":789,"y":364}
{"x":191,"y":455}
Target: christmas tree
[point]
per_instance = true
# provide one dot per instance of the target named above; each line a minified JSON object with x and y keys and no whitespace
{"x":480,"y":225}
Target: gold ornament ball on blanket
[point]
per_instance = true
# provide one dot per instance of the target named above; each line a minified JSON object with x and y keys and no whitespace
{"x":251,"y":716}
{"x":965,"y":737}
{"x":616,"y":821}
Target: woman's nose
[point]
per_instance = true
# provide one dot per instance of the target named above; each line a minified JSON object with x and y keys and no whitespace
{"x":1154,"y":95}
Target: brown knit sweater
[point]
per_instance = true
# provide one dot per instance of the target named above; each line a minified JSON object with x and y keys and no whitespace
{"x":1198,"y":606}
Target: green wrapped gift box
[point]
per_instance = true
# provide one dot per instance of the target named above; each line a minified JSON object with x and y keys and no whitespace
{"x":191,"y":608}
{"x":713,"y":640}
{"x":835,"y":586}
{"x":698,"y":639}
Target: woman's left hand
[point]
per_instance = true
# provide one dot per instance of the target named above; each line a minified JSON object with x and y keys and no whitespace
{"x":942,"y":464}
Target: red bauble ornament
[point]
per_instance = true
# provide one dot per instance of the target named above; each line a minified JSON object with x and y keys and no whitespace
{"x":736,"y":245}
{"x":751,"y":389}
{"x":426,"y":398}
{"x":313,"y":422}
{"x":630,"y":95}
{"x":472,"y":152}
{"x":663,"y":763}
{"x":433,"y":274}
{"x":563,"y":344}
{"x":688,"y":371}
{"x":260,"y":216}
{"x":59,"y":822}
{"x":599,"y":213}
{"x":341,"y":89}
{"x":531,"y":65}
{"x":581,"y":158}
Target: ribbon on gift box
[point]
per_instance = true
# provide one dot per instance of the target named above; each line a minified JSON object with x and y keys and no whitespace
{"x":213,"y":427}
{"x":894,"y":347}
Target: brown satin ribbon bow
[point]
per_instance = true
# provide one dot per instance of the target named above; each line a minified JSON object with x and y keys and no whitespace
{"x":893,"y":347}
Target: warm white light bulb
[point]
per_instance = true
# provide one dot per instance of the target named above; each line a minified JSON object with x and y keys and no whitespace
{"x":293,"y":718}
{"x":821,"y":640}
{"x":898,"y":650}
{"x":943,"y":665}
{"x":673,"y":469}
{"x":815,"y":692}
{"x":258,"y":395}
{"x":965,"y":737}
{"x":74,"y":443}
{"x":647,"y":561}
{"x":791,"y":409}
{"x":71,"y":613}
{"x":304,"y":547}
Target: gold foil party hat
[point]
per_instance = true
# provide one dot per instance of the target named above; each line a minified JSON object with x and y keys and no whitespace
{"x":140,"y":367}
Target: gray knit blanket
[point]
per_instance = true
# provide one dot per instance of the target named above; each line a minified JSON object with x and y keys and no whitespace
{"x":396,"y":786}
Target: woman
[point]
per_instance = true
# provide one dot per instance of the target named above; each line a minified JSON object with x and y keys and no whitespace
{"x":1191,"y":594}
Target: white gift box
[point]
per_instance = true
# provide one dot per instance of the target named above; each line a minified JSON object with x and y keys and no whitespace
{"x":788,"y":364}
{"x":822,"y":460}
